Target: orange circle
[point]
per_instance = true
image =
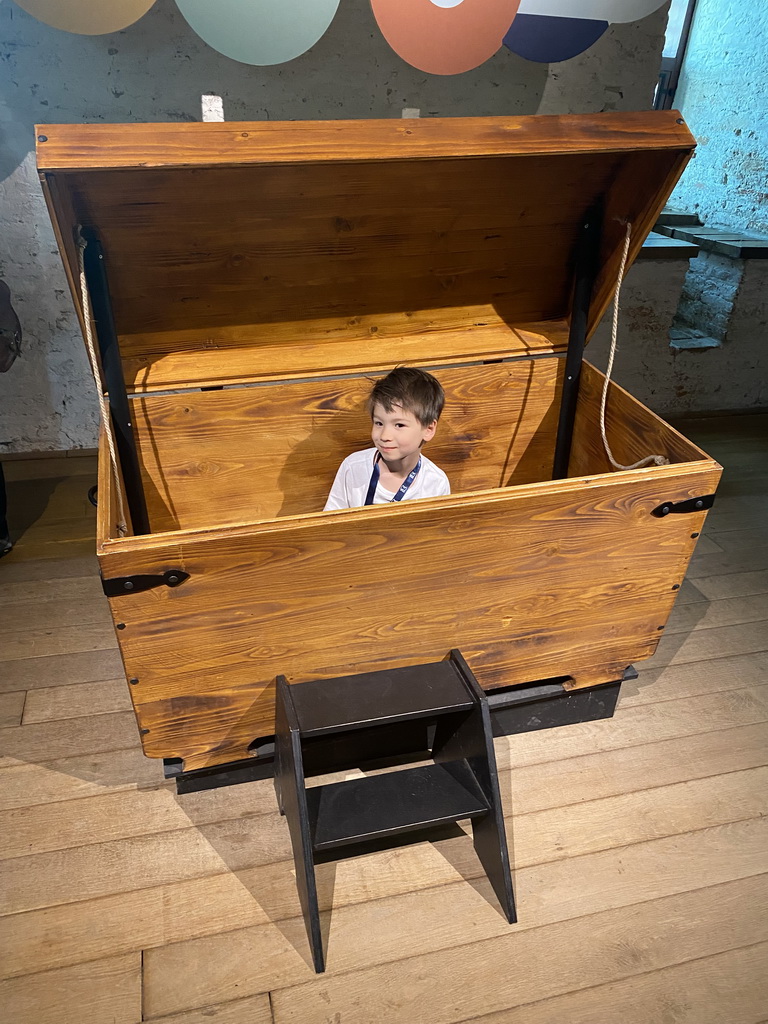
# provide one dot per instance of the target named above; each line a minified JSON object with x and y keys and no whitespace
{"x":445,"y":40}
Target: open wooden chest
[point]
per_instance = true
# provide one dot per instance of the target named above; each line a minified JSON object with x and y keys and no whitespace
{"x":248,"y":280}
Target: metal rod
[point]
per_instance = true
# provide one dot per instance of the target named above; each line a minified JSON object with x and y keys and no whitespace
{"x":112,"y":368}
{"x":587,"y":262}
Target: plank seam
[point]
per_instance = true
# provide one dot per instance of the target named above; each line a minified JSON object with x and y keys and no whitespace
{"x":61,"y":686}
{"x":299,"y":919}
{"x":495,"y":938}
{"x":515,"y":870}
{"x":607,"y":984}
{"x":507,"y":817}
{"x":665,"y":700}
{"x":23,"y":707}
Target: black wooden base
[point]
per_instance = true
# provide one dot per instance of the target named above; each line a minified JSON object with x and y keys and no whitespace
{"x":543,"y":704}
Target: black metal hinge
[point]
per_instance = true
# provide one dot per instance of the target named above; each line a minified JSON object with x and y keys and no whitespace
{"x":118,"y":586}
{"x":691,"y":505}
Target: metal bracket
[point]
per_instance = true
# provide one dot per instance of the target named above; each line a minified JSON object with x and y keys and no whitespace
{"x":691,"y":505}
{"x":118,"y":586}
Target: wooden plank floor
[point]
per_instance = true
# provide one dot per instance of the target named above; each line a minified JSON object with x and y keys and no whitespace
{"x":639,"y":843}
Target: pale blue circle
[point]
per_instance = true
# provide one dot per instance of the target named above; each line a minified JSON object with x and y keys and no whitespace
{"x":447,"y":3}
{"x":260,"y":31}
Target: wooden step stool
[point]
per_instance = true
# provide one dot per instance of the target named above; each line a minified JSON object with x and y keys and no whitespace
{"x":461,"y":782}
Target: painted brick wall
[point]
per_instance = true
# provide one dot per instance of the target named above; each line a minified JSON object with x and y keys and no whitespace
{"x":722,"y":93}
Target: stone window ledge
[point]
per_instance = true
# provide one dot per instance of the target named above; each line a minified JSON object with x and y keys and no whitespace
{"x":735,"y":244}
{"x":658,"y":246}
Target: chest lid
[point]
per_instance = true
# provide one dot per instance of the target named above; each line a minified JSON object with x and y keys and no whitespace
{"x":241,"y":252}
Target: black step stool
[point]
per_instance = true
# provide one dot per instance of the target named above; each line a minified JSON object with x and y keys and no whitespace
{"x":461,"y":782}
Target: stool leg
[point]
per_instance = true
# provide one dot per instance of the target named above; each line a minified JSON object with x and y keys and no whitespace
{"x":290,"y":786}
{"x":469,"y":736}
{"x":489,"y":834}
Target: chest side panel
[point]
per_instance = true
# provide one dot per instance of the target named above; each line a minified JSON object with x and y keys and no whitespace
{"x":566,"y":580}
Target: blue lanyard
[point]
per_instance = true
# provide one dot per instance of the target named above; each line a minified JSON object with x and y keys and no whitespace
{"x":375,"y":481}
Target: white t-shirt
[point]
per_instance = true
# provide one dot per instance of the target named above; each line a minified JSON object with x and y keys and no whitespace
{"x":354,"y":476}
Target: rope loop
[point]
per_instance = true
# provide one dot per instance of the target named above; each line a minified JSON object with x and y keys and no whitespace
{"x":657,"y":460}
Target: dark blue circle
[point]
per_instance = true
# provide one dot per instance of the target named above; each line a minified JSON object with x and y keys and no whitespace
{"x":548,"y":40}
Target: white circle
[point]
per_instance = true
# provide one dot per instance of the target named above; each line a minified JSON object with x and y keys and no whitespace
{"x":447,"y":3}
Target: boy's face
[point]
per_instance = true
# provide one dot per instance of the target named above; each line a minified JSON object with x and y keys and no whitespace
{"x":398,"y":434}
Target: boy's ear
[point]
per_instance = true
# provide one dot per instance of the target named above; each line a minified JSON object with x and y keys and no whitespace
{"x":429,"y":432}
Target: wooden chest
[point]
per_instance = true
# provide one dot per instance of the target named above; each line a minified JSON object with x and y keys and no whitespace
{"x":248,"y":280}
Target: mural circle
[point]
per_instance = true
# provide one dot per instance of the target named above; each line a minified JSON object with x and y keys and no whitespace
{"x":548,"y":31}
{"x":442,"y":39}
{"x":87,"y":17}
{"x":260,"y":31}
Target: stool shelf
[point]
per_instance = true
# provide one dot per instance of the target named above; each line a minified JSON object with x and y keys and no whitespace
{"x":387,"y":805}
{"x":330,"y":706}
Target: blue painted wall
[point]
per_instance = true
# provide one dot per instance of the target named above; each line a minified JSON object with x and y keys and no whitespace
{"x":723,"y":94}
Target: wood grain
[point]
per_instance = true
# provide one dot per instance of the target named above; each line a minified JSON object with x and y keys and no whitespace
{"x":174,"y":841}
{"x":633,"y":431}
{"x":81,"y":589}
{"x":42,"y":642}
{"x":92,"y":993}
{"x":16,"y":569}
{"x":24,"y":616}
{"x":37,"y":744}
{"x":61,"y":669}
{"x":71,"y":778}
{"x":77,"y":700}
{"x":361,"y":343}
{"x":695,"y":992}
{"x":419,"y":941}
{"x":302,"y":225}
{"x":125,"y":814}
{"x":728,"y":612}
{"x":620,"y":946}
{"x":698,"y":677}
{"x":84,"y":146}
{"x":718,"y":642}
{"x":698,"y":718}
{"x":636,"y":726}
{"x":219,"y":905}
{"x":254,"y":1010}
{"x":49,"y":826}
{"x":11,"y":707}
{"x":508,"y":580}
{"x":259,"y":453}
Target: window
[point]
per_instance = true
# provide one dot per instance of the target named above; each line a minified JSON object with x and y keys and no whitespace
{"x":675,"y":42}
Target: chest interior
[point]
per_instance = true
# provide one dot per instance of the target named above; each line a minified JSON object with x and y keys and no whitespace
{"x":260,"y":276}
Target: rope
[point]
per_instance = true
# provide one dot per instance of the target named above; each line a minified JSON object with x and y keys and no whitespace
{"x":122,"y":528}
{"x":657,"y":460}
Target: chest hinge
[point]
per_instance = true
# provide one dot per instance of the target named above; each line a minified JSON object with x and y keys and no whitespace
{"x":119,"y":586}
{"x":700,"y":504}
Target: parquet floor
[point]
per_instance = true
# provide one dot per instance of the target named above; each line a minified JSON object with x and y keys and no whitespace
{"x":639,"y":843}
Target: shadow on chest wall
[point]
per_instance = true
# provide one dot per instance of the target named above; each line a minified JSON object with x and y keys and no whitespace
{"x":260,"y":275}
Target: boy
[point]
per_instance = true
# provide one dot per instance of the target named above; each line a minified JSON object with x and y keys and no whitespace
{"x":405,"y":407}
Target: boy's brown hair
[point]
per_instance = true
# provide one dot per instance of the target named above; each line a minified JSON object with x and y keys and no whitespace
{"x":415,"y":390}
